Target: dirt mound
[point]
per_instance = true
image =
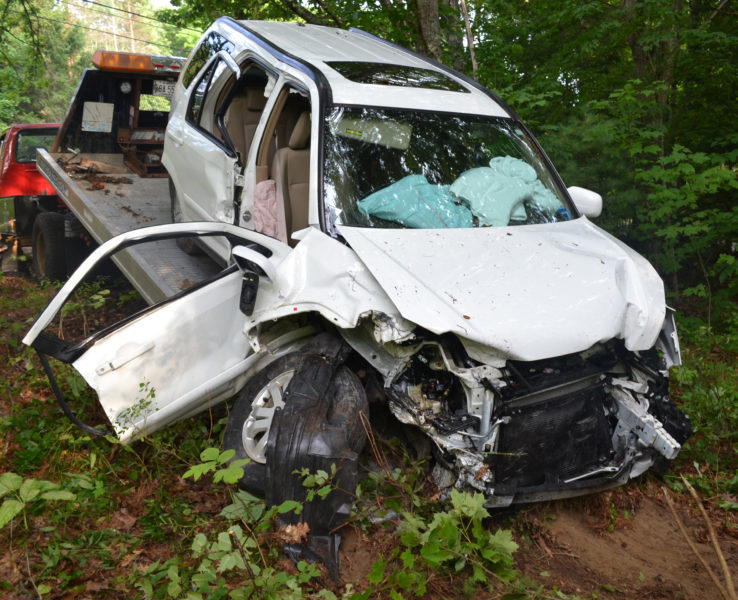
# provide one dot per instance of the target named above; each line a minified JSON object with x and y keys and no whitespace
{"x":594,"y":545}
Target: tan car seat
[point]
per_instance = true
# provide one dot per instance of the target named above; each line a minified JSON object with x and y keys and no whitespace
{"x":242,"y":118}
{"x":291,"y":170}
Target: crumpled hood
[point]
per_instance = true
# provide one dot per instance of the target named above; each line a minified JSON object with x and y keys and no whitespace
{"x":527,"y":292}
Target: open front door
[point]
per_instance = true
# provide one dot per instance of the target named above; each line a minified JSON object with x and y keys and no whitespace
{"x":168,"y":361}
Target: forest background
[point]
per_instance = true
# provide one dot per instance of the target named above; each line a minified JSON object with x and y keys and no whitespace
{"x":635,"y":99}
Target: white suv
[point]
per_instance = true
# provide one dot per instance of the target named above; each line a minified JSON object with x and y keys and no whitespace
{"x":396,"y":238}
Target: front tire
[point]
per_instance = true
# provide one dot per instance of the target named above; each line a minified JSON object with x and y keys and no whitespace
{"x":49,"y":260}
{"x":249,"y":424}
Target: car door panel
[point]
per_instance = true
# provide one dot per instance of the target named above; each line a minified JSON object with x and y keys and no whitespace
{"x":173,"y":359}
{"x":152,"y":370}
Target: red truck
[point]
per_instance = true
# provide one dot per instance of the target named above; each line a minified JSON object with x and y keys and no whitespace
{"x":24,"y":192}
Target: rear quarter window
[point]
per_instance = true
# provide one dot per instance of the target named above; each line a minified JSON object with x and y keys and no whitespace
{"x":212,"y":44}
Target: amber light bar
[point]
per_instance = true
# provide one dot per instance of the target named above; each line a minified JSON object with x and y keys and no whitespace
{"x":122,"y":61}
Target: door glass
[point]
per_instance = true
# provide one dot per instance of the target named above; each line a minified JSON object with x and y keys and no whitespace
{"x":203,"y":87}
{"x":210,"y":46}
{"x":105,"y":300}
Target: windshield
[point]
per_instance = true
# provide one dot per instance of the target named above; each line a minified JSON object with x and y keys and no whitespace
{"x":29,"y":140}
{"x":398,"y":168}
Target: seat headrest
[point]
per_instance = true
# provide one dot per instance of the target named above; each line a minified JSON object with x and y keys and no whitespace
{"x":301,"y":132}
{"x":255,"y":99}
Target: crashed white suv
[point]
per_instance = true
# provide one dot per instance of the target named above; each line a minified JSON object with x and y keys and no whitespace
{"x":392,"y":235}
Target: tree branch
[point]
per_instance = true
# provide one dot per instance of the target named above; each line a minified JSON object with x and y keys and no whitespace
{"x":714,"y":13}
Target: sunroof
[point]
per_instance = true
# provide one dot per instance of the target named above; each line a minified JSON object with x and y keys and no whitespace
{"x":396,"y":75}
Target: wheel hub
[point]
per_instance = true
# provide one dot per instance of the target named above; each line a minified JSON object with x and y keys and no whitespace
{"x":255,"y":432}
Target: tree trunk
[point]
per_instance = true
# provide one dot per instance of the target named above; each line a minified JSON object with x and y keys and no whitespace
{"x":430,"y":28}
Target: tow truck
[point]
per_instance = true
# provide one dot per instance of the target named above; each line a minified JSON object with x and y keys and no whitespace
{"x":105,"y":167}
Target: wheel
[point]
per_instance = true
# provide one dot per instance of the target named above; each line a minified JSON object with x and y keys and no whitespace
{"x":47,"y":239}
{"x":187,"y":245}
{"x":249,"y":423}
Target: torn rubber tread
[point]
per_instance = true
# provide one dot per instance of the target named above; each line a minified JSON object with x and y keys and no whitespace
{"x":318,"y":427}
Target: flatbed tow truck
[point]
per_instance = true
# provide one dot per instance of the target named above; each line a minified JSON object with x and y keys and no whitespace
{"x":105,"y":167}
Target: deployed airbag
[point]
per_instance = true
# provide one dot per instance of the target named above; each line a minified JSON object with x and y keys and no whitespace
{"x":413,"y":202}
{"x":496,"y":194}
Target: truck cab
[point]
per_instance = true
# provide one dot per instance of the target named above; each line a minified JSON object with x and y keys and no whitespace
{"x":110,"y":141}
{"x":24,"y":192}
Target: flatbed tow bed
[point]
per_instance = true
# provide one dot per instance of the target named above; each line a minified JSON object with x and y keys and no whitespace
{"x":159,"y":269}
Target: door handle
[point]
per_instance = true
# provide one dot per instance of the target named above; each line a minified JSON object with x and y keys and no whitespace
{"x":125,"y":354}
{"x":178,"y":140}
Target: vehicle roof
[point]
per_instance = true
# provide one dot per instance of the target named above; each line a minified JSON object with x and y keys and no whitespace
{"x":318,"y":45}
{"x":21,"y":126}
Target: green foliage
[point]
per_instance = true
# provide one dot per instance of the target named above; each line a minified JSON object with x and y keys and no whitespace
{"x":318,"y":484}
{"x":707,"y":387}
{"x":212,"y":462}
{"x":40,"y":62}
{"x":87,"y":298}
{"x":139,"y":410}
{"x":20,"y":493}
{"x":452,"y":541}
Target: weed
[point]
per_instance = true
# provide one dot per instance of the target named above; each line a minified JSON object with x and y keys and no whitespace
{"x":26,"y":492}
{"x":140,"y":410}
{"x":212,"y":459}
{"x":87,"y":297}
{"x":452,"y":541}
{"x":707,"y":386}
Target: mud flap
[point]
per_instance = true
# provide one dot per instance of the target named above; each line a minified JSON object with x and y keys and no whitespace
{"x":319,"y":427}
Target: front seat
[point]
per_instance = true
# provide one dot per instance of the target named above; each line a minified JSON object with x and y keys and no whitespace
{"x":291,"y":171}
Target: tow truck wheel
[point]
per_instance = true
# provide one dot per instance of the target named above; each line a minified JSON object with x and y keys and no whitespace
{"x":187,"y":245}
{"x":249,"y":422}
{"x":49,"y":260}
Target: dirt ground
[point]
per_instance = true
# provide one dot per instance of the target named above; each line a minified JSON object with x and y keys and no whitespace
{"x":627,"y":543}
{"x":621,"y":544}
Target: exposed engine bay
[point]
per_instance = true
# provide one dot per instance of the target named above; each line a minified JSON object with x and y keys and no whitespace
{"x":530,"y":431}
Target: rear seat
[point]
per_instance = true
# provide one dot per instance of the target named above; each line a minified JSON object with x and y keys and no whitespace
{"x":242,"y":118}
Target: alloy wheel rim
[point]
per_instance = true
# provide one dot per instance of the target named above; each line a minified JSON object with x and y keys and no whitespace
{"x":256,"y":427}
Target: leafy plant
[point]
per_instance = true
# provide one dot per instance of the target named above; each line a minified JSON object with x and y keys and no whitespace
{"x":451,"y":541}
{"x":24,"y":492}
{"x":88,"y":297}
{"x":212,"y":459}
{"x":143,"y":407}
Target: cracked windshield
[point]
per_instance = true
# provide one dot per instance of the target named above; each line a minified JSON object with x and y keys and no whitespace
{"x":392,"y":168}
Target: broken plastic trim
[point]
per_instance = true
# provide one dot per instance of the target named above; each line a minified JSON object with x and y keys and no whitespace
{"x":63,"y":403}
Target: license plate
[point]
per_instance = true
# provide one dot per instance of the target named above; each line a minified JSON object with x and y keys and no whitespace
{"x":163,"y":88}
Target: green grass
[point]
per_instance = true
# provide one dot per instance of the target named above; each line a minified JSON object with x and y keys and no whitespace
{"x":706,"y":386}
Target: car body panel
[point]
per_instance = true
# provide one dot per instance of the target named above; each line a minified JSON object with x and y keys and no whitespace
{"x":573,"y":286}
{"x":341,"y":289}
{"x":138,"y":372}
{"x":175,"y":358}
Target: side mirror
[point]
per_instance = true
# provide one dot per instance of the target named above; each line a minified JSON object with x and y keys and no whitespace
{"x":247,"y":258}
{"x":588,"y":203}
